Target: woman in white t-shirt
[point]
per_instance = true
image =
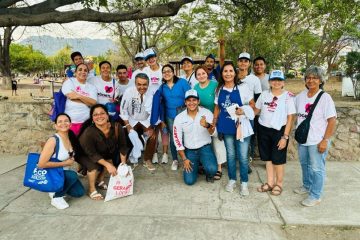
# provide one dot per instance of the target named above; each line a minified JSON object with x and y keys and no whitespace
{"x":81,"y":95}
{"x":68,"y":145}
{"x":276,"y":107}
{"x":312,"y":154}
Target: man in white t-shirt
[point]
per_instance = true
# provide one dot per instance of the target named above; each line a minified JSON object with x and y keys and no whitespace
{"x":153,"y":70}
{"x":187,"y":65}
{"x":192,"y":138}
{"x":259,"y":67}
{"x":140,"y":64}
{"x":254,"y":84}
{"x":123,"y":80}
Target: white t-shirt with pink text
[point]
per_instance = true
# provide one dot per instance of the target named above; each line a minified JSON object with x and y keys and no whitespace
{"x":78,"y":112}
{"x":324,"y":110}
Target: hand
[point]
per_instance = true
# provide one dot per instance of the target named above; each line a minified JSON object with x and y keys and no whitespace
{"x":128,"y":128}
{"x":163,"y":125}
{"x":203,"y":121}
{"x":111,"y":169}
{"x":187,"y":165}
{"x":72,"y":95}
{"x":239,"y":111}
{"x":150,"y":133}
{"x":282,"y":144}
{"x":69,"y":161}
{"x":322,"y":146}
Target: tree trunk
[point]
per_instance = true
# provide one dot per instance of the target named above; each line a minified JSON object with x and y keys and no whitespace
{"x":5,"y":57}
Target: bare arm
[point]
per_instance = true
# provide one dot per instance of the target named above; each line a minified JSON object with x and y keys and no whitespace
{"x":74,"y":96}
{"x":47,"y":152}
{"x":328,"y":133}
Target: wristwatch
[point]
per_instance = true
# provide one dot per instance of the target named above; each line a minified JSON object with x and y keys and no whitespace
{"x":208,"y":125}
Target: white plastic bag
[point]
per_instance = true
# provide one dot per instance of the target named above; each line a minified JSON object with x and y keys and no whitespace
{"x":122,"y":184}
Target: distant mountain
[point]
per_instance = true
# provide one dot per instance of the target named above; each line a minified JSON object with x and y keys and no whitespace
{"x":88,"y":47}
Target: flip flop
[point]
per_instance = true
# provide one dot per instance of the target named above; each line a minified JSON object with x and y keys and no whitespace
{"x":96,"y":196}
{"x":264,"y":188}
{"x":218,"y":175}
{"x":276,"y":191}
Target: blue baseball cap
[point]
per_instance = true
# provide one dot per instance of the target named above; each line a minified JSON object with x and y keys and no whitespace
{"x":277,"y":75}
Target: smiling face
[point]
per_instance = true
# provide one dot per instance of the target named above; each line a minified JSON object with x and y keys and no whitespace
{"x":105,"y":71}
{"x":167,"y":74}
{"x":62,"y":123}
{"x":140,"y":63}
{"x":100,"y":117}
{"x":201,"y":75}
{"x":142,"y":85}
{"x":228,"y":74}
{"x":277,"y":84}
{"x":187,"y":66}
{"x":151,"y":61}
{"x":81,"y":72}
{"x":122,"y":75}
{"x":312,"y":82}
{"x":259,"y":67}
{"x":192,"y":103}
{"x":209,"y":64}
{"x":243,"y":64}
{"x":78,"y":59}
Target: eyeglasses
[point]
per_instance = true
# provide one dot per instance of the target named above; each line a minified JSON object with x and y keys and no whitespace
{"x":311,"y":78}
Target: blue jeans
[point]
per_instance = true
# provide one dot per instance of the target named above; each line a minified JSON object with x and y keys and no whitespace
{"x":313,"y":169}
{"x":236,"y":149}
{"x":170,"y":124}
{"x":72,"y":185}
{"x":206,"y":156}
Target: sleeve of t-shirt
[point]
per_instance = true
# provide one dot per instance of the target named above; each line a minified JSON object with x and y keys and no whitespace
{"x":290,"y":105}
{"x":69,"y":73}
{"x":329,"y":108}
{"x":209,"y":116}
{"x":67,"y":87}
{"x":257,"y":87}
{"x":246,"y":95}
{"x":88,"y":144}
{"x":177,"y":134}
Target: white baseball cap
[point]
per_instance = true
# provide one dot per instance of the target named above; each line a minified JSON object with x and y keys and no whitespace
{"x":148,"y":53}
{"x":191,"y":93}
{"x":139,"y":55}
{"x":277,"y":74}
{"x":244,"y":55}
{"x":186,"y":58}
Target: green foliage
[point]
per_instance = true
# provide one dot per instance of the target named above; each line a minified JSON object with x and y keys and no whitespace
{"x":353,"y":64}
{"x":26,"y":60}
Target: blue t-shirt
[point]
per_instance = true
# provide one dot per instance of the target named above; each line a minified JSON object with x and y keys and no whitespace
{"x":174,"y":97}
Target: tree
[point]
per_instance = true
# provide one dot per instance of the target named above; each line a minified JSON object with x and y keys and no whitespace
{"x":5,"y":41}
{"x":24,"y":59}
{"x":46,"y":11}
{"x":353,"y":71}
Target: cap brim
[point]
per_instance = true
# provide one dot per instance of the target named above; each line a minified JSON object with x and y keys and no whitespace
{"x":244,"y":58}
{"x":183,"y":60}
{"x":149,"y":56}
{"x":139,"y":58}
{"x":192,"y":96}
{"x":281,"y":79}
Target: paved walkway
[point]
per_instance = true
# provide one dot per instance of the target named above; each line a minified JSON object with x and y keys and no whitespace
{"x":162,"y":207}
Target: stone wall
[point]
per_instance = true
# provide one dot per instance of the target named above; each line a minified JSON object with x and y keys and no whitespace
{"x":24,"y":126}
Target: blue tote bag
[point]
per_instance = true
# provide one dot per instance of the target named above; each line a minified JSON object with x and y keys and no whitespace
{"x":58,"y":105}
{"x":44,"y":179}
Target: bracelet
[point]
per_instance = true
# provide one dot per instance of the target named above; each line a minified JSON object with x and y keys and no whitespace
{"x":208,"y":125}
{"x":326,"y":139}
{"x":286,"y":137}
{"x":127,"y":125}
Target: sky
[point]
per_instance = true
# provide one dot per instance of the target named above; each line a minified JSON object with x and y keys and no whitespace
{"x":68,"y":30}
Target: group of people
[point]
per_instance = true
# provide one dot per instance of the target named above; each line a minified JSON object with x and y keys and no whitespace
{"x":208,"y":116}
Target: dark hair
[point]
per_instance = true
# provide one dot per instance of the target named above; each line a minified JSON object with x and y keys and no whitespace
{"x":221,"y":80}
{"x":143,"y":76}
{"x":210,"y":56}
{"x":201,"y":67}
{"x":77,"y":66}
{"x":103,"y":62}
{"x":72,"y":137}
{"x":176,"y":78}
{"x":259,"y":58}
{"x":89,"y":122}
{"x":121,"y":66}
{"x":74,"y":54}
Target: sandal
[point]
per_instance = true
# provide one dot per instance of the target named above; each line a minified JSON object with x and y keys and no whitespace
{"x":102,"y":185}
{"x":149,"y":166}
{"x":96,"y":196}
{"x":276,"y":191}
{"x":264,"y":188}
{"x":218,"y":175}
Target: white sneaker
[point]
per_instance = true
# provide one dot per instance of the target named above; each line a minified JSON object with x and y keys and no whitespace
{"x":165,"y":158}
{"x":59,"y":203}
{"x":230,"y":186}
{"x":155,"y":158}
{"x":174,"y":165}
{"x":311,"y":202}
{"x":51,"y":195}
{"x":244,"y":191}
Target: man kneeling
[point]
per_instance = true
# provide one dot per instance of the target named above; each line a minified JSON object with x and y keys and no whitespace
{"x":192,"y":137}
